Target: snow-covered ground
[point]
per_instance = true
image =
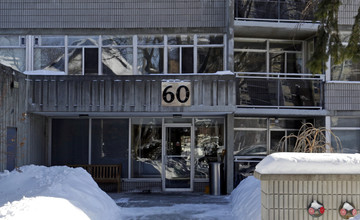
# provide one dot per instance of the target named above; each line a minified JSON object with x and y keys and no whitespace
{"x":60,"y":192}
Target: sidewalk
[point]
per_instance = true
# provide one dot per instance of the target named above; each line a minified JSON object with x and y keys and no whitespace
{"x":173,"y":206}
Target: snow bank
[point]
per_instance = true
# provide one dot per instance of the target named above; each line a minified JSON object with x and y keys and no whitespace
{"x":42,"y":193}
{"x":309,"y":163}
{"x":246,"y":199}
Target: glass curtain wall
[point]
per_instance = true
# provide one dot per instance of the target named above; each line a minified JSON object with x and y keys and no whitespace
{"x":115,"y":54}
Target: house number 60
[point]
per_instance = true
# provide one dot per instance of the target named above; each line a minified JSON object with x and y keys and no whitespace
{"x":176,"y":94}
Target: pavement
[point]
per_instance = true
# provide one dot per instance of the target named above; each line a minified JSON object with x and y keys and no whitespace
{"x":173,"y":206}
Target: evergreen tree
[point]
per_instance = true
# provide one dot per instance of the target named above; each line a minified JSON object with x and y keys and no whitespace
{"x":328,"y":41}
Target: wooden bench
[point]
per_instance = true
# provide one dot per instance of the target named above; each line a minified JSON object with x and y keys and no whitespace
{"x":103,"y":173}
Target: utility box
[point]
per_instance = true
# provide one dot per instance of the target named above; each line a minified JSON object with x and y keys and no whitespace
{"x":304,"y":186}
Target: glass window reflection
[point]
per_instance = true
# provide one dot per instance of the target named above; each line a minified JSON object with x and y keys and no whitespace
{"x":209,"y":144}
{"x":146,"y":148}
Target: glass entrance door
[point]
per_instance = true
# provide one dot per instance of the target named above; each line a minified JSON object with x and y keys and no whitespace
{"x":177,"y":158}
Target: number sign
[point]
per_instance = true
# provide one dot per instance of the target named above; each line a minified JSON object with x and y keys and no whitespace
{"x":176,"y":93}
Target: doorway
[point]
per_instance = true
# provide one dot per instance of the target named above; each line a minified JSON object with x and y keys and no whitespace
{"x":178,"y":148}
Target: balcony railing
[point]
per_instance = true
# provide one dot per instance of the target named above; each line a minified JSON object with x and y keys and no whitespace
{"x":210,"y":92}
{"x":280,"y":90}
{"x":273,"y":10}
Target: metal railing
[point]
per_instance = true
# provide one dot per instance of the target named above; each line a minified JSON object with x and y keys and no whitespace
{"x":273,"y":10}
{"x":280,"y":90}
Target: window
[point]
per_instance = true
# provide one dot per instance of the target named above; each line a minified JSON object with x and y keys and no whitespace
{"x":146,"y":148}
{"x":347,"y":129}
{"x":272,"y":56}
{"x":209,"y":144}
{"x":115,"y":54}
{"x":346,"y":71}
{"x":12,"y":52}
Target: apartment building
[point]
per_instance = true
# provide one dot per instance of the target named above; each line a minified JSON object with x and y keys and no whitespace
{"x":164,"y":88}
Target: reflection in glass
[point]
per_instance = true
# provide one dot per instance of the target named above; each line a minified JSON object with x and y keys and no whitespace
{"x":117,"y":61}
{"x":14,"y":58}
{"x":350,"y":140}
{"x":151,"y":40}
{"x":9,"y":40}
{"x":180,"y":40}
{"x":178,"y":157}
{"x":116,"y":40}
{"x":52,"y":41}
{"x":250,"y":123}
{"x":146,"y":148}
{"x":51,"y":59}
{"x":83,"y":40}
{"x":210,"y":59}
{"x":347,"y":71}
{"x":345,"y":122}
{"x":75,"y":61}
{"x":150,"y":60}
{"x":275,"y":92}
{"x":275,"y":144}
{"x":210,"y":39}
{"x":109,"y":143}
{"x":209,"y":144}
{"x":250,"y":62}
{"x":250,"y":143}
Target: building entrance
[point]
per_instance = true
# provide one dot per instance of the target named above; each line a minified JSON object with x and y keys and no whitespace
{"x":178,"y":169}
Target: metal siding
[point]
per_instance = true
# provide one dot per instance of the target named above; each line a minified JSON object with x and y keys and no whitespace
{"x":342,"y":96}
{"x":127,"y":94}
{"x":112,"y":14}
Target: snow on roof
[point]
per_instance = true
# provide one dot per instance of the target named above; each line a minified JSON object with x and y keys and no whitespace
{"x":309,"y":163}
{"x":60,"y":192}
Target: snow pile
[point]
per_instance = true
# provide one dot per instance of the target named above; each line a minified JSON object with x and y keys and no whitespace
{"x":42,"y":193}
{"x":309,"y":163}
{"x":246,"y":199}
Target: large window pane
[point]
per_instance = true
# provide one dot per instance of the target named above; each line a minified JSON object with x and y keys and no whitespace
{"x":117,"y":61}
{"x":210,"y":60}
{"x":347,"y":71}
{"x":13,"y":57}
{"x":250,"y":123}
{"x":75,"y":61}
{"x":209,"y":144}
{"x":52,"y":41}
{"x":350,"y":140}
{"x":150,"y":60}
{"x":70,"y":141}
{"x":83,"y":40}
{"x":109,"y":143}
{"x":345,"y":122}
{"x":250,"y":143}
{"x":51,"y":59}
{"x":151,"y":40}
{"x":210,"y":39}
{"x":146,"y":148}
{"x":249,"y":62}
{"x":116,"y":40}
{"x":10,"y":40}
{"x":180,"y":40}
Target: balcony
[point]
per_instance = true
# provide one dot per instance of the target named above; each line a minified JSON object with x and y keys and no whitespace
{"x":280,"y":91}
{"x":282,"y":19}
{"x":54,"y":95}
{"x":273,"y":10}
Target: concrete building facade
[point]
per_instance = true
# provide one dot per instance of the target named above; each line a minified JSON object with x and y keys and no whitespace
{"x":165,"y":87}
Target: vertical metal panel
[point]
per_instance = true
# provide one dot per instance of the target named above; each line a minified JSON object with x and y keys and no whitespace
{"x":11,"y":152}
